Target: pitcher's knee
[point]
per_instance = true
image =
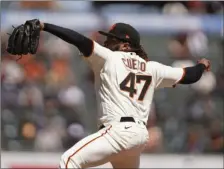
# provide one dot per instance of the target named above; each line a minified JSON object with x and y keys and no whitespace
{"x":69,"y":161}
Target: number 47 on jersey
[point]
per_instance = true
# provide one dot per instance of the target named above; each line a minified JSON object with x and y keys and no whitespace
{"x":135,"y":80}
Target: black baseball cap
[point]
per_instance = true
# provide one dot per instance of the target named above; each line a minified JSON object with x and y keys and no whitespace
{"x":124,"y":32}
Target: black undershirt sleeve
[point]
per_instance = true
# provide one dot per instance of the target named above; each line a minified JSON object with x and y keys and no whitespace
{"x":84,"y":44}
{"x":192,"y":74}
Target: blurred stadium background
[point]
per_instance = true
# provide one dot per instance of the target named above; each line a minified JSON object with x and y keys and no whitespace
{"x":48,"y":100}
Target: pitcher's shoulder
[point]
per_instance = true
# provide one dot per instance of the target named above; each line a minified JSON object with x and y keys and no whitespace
{"x":153,"y":64}
{"x":121,"y":53}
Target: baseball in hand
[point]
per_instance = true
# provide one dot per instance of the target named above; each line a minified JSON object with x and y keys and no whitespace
{"x":206,"y":62}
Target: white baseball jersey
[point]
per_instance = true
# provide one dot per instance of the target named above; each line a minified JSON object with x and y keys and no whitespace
{"x":125,"y":83}
{"x":125,"y":86}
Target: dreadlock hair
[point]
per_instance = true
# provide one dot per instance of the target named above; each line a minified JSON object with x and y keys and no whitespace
{"x":138,"y":49}
{"x":140,"y":52}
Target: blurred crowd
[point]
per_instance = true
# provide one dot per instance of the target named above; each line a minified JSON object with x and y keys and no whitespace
{"x":48,"y":100}
{"x":171,"y":7}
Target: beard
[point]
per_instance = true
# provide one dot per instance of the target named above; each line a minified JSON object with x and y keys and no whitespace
{"x":118,"y":47}
{"x":115,"y":47}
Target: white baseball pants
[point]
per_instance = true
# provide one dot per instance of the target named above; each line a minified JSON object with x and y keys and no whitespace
{"x":119,"y":143}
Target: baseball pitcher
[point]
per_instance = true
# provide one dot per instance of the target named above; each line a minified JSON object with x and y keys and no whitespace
{"x":126,"y":84}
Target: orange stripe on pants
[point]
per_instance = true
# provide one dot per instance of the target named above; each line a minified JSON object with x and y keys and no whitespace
{"x":86,"y":145}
